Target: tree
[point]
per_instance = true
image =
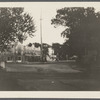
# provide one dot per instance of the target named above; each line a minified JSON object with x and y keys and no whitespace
{"x":82,"y":29}
{"x":30,"y":45}
{"x":56,"y":47}
{"x":45,"y":51}
{"x":37,"y":44}
{"x":61,"y":50}
{"x":64,"y":51}
{"x":14,"y":24}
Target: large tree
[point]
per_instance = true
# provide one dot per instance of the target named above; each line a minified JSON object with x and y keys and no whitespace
{"x":14,"y":24}
{"x":82,"y":28}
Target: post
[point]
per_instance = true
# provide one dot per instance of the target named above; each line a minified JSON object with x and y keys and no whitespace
{"x":2,"y":62}
{"x":2,"y":59}
{"x":41,"y":36}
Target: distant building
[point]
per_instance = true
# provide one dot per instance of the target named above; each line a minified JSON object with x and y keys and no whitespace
{"x":25,"y":53}
{"x":22,"y":53}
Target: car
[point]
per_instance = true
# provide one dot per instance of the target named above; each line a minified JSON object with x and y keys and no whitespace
{"x":74,"y":57}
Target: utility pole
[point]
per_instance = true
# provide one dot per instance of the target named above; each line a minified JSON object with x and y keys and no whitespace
{"x":41,"y":36}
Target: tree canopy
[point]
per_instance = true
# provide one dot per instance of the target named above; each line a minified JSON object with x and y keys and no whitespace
{"x":15,"y":24}
{"x":82,"y":28}
{"x":37,"y":44}
{"x":61,"y":50}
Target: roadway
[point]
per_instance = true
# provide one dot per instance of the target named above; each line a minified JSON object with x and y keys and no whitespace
{"x":48,"y":77}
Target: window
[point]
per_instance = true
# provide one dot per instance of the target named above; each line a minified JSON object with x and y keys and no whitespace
{"x":19,"y":58}
{"x":9,"y":58}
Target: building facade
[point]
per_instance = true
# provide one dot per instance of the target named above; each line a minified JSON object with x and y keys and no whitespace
{"x":22,"y":53}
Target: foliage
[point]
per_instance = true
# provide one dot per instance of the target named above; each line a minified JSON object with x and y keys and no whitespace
{"x":82,"y":28}
{"x":14,"y":24}
{"x":56,"y":47}
{"x":37,"y":45}
{"x":61,"y":50}
{"x":45,"y":48}
{"x":30,"y":45}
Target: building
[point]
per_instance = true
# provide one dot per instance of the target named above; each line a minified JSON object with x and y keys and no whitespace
{"x":22,"y":53}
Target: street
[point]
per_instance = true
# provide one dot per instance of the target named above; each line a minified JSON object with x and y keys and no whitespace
{"x":47,"y":77}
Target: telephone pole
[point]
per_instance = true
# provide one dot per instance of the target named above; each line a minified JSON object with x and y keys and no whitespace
{"x":41,"y":36}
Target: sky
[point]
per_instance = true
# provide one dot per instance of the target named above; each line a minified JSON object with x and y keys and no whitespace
{"x":48,"y":11}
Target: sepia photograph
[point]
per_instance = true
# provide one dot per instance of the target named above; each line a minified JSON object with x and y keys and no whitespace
{"x":50,"y":46}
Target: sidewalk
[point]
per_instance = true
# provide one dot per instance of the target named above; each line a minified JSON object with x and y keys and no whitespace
{"x":48,"y":62}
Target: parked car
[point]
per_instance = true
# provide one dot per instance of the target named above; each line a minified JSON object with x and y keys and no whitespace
{"x":74,"y":57}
